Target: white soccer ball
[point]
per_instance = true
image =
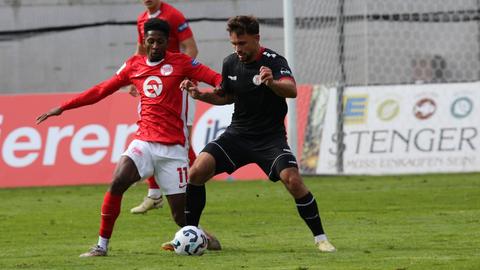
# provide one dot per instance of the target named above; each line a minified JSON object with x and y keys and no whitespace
{"x":190,"y":240}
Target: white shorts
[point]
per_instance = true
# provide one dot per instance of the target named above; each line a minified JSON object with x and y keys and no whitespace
{"x":168,"y":163}
{"x":191,"y":111}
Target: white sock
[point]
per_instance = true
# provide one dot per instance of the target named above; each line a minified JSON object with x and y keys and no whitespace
{"x":320,"y":237}
{"x":103,"y":242}
{"x":154,"y":193}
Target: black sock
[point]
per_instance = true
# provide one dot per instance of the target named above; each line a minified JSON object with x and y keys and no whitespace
{"x":195,"y":202}
{"x":308,"y":210}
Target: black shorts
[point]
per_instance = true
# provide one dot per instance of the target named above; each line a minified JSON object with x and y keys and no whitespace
{"x":232,"y":151}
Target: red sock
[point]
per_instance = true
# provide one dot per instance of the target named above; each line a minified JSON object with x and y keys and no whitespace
{"x":110,"y":211}
{"x":152,"y":184}
{"x":191,"y":156}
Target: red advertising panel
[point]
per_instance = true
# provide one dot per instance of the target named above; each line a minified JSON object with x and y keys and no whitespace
{"x":83,"y":145}
{"x":79,"y":147}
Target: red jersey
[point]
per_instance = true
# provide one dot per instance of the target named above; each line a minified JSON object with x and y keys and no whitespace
{"x":163,"y":105}
{"x":179,"y":29}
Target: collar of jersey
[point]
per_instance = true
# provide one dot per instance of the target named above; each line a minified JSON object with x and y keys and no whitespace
{"x":260,"y":53}
{"x":152,"y":64}
{"x":154,"y":15}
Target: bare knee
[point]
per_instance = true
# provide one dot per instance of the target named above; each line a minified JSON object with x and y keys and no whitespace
{"x":194,"y":175}
{"x":294,"y":183}
{"x":199,"y":176}
{"x":202,"y":169}
{"x":125,"y":175}
{"x":118,"y":186}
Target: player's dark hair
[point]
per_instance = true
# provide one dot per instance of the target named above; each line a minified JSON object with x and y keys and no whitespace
{"x":241,"y":25}
{"x":157,"y":25}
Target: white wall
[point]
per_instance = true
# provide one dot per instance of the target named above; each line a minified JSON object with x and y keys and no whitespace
{"x":376,"y":52}
{"x":74,"y":60}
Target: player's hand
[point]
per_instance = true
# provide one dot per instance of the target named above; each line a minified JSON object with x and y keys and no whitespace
{"x":132,"y":90}
{"x":219,"y":91}
{"x":53,"y":112}
{"x":266,"y":75}
{"x":191,"y":88}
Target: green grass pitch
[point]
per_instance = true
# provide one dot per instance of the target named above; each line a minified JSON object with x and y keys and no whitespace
{"x":396,"y":223}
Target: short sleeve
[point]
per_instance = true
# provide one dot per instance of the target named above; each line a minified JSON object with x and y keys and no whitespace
{"x":280,"y":69}
{"x":181,"y":26}
{"x":224,"y":75}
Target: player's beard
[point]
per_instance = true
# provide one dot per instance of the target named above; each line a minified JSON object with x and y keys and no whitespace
{"x":245,"y":57}
{"x":155,"y":57}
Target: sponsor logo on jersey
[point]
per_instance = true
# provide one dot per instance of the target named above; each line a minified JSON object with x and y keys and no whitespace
{"x":424,"y":108}
{"x":233,"y":78}
{"x":267,"y":54}
{"x":141,"y":74}
{"x":195,"y":62}
{"x":182,"y":185}
{"x":284,"y":71}
{"x":257,"y":80}
{"x":461,"y":107}
{"x":137,"y":151}
{"x":182,"y":27}
{"x":152,"y":86}
{"x":166,"y":70}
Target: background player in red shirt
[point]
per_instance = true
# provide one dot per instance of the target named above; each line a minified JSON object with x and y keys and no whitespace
{"x":159,"y":147}
{"x":180,"y":40}
{"x":181,"y":36}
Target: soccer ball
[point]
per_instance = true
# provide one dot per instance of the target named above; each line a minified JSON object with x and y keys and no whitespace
{"x":190,"y":240}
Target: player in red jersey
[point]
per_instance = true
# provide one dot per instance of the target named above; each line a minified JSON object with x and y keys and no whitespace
{"x":159,"y":147}
{"x":180,"y":39}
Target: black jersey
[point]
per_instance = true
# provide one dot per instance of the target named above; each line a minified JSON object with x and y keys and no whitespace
{"x":258,"y":110}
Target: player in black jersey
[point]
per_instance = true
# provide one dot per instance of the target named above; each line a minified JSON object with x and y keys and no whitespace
{"x":257,"y":80}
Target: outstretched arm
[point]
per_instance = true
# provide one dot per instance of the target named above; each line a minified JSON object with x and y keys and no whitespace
{"x":90,"y":96}
{"x":217,"y":97}
{"x":53,"y":112}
